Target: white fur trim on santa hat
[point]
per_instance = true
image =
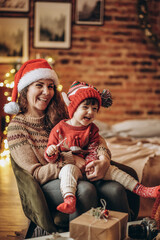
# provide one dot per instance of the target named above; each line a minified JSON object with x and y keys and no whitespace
{"x":35,"y":75}
{"x":11,"y":108}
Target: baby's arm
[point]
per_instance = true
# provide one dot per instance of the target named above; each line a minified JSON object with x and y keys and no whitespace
{"x":92,"y":152}
{"x":97,"y":151}
{"x":101,"y":165}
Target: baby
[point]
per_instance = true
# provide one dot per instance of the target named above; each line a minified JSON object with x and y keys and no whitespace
{"x":81,"y":136}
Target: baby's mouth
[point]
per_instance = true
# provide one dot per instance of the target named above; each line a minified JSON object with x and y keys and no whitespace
{"x":87,"y":118}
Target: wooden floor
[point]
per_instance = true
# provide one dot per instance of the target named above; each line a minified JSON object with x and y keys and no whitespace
{"x":12,"y":218}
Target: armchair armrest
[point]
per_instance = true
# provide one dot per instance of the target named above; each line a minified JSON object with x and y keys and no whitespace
{"x":133,"y":199}
{"x":32,"y":199}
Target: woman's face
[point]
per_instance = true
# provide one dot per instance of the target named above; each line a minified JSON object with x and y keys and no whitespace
{"x":39,"y":95}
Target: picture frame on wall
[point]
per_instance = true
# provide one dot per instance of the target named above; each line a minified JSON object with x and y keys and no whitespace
{"x":89,"y":12}
{"x":14,"y":43}
{"x":14,"y":6}
{"x":52,"y":25}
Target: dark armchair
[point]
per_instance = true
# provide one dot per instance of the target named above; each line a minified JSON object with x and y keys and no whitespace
{"x":34,"y":203}
{"x":35,"y":206}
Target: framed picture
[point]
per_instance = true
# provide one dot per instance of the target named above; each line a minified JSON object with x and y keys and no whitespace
{"x":52,"y":27}
{"x":14,"y":39}
{"x":89,"y":12}
{"x":14,"y":6}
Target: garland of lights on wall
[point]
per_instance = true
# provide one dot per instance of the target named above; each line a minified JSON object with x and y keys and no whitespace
{"x":144,"y":23}
{"x":8,"y":83}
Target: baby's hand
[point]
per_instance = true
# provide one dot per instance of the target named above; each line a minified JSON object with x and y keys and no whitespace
{"x":52,"y":149}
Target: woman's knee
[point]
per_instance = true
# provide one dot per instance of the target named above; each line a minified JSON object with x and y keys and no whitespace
{"x":114,"y":194}
{"x":87,"y":193}
{"x":109,"y":189}
{"x":86,"y":189}
{"x":86,"y":198}
{"x":116,"y":190}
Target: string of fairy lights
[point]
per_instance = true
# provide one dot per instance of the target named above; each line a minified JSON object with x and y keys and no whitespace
{"x":8,"y":83}
{"x":145,"y":24}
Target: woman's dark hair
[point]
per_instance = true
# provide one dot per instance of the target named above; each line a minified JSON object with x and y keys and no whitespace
{"x":55,"y":111}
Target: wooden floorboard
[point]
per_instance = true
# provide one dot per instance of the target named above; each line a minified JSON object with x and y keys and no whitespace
{"x":12,"y":218}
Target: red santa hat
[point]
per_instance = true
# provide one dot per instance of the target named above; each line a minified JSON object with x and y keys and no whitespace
{"x":31,"y":71}
{"x":79,"y":91}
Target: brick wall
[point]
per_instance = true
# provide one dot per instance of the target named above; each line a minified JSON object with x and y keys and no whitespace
{"x":116,"y":55}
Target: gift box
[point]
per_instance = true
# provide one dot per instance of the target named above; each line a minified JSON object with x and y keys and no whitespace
{"x":88,"y":227}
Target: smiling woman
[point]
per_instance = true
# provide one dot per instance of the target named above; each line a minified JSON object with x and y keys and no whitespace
{"x":30,"y":72}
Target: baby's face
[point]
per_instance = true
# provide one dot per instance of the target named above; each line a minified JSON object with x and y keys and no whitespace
{"x":85,"y":114}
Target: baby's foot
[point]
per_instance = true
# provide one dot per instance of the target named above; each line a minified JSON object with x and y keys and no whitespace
{"x":68,"y":206}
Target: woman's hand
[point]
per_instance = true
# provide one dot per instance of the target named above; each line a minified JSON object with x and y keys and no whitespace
{"x":96,"y":169}
{"x":80,"y":163}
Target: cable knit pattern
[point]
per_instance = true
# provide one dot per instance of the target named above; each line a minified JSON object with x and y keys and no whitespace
{"x":27,"y":140}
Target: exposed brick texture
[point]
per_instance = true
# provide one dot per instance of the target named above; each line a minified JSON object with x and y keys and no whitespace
{"x":116,"y":55}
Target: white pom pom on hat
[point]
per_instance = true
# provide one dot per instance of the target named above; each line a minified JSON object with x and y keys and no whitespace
{"x":31,"y":71}
{"x":11,"y":108}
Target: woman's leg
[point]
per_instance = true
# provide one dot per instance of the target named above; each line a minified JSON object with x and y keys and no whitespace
{"x":115,"y":196}
{"x":86,"y":196}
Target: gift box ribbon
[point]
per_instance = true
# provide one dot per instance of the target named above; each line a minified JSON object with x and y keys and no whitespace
{"x":102,"y":214}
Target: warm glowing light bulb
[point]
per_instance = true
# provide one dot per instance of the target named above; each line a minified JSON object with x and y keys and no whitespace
{"x":12,"y":70}
{"x":50,"y":59}
{"x":5,"y":132}
{"x":59,"y":87}
{"x":5,"y":144}
{"x":7,"y":118}
{"x":6,"y":94}
{"x":9,"y":99}
{"x":12,"y":84}
{"x":7,"y":74}
{"x":1,"y":84}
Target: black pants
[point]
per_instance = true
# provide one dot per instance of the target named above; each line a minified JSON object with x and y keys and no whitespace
{"x":89,"y":193}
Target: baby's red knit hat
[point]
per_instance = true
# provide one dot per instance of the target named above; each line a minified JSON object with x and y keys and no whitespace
{"x":31,"y":71}
{"x":79,"y":91}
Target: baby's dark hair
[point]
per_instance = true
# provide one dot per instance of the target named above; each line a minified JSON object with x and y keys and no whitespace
{"x":91,"y":101}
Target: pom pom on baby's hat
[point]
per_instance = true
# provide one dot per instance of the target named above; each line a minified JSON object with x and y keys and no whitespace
{"x":106,"y":98}
{"x":31,"y":71}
